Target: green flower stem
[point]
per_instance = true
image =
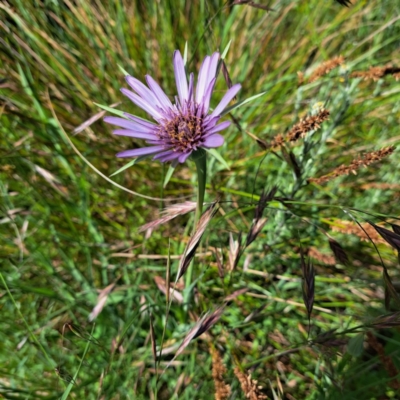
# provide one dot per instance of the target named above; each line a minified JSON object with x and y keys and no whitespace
{"x":200,"y":159}
{"x":201,"y":167}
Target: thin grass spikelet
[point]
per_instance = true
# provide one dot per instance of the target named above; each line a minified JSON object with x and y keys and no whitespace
{"x":235,"y":251}
{"x":326,"y":67}
{"x":258,"y":221}
{"x":392,"y":238}
{"x":202,"y":326}
{"x":339,"y":252}
{"x":308,"y":284}
{"x":364,"y":161}
{"x":329,"y":339}
{"x":170,"y":213}
{"x":194,"y":241}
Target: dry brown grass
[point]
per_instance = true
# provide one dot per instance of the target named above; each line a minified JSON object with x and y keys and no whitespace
{"x":376,"y":73}
{"x":249,"y":386}
{"x":299,"y":130}
{"x":326,"y":67}
{"x":222,"y":390}
{"x":351,"y":228}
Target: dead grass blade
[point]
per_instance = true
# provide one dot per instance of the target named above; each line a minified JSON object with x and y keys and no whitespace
{"x":195,"y":240}
{"x":235,"y":294}
{"x":153,"y":342}
{"x":92,"y":120}
{"x":225,"y":73}
{"x":101,"y":302}
{"x":171,"y":293}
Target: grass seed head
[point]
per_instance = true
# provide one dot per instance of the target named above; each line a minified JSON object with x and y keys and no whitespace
{"x":326,"y":67}
{"x":364,"y":161}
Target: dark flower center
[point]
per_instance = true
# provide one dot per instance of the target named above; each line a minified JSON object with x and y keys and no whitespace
{"x":183,"y":131}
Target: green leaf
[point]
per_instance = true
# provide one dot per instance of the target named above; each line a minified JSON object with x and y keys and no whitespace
{"x":185,"y":54}
{"x":241,"y":103}
{"x":29,"y":92}
{"x":168,"y":175}
{"x":356,"y":345}
{"x":130,"y":163}
{"x":218,"y":156}
{"x":123,"y":70}
{"x":111,"y":110}
{"x":225,"y":52}
{"x":73,"y":380}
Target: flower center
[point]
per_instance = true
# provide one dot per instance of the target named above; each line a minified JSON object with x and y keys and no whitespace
{"x":183,"y":131}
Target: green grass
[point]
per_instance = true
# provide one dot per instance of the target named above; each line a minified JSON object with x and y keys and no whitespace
{"x":67,"y":233}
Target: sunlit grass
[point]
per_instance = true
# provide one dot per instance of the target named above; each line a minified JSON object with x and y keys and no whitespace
{"x":67,"y":233}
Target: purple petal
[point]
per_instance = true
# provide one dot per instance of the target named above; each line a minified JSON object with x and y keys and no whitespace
{"x":202,"y":79}
{"x":141,"y":152}
{"x":191,"y":85}
{"x":158,"y":92}
{"x":218,"y":128}
{"x":143,"y":104}
{"x":212,"y":69}
{"x":135,"y":134}
{"x":124,"y":123}
{"x":229,"y":95}
{"x":140,"y":121}
{"x":182,"y":158}
{"x":163,"y":154}
{"x":207,"y":97}
{"x":180,"y":77}
{"x":209,"y":123}
{"x":214,"y":141}
{"x":169,"y":157}
{"x":144,"y":92}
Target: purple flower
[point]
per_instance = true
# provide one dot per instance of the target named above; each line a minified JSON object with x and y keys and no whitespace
{"x":180,"y":128}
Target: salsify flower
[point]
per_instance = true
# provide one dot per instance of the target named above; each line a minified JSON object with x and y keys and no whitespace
{"x":183,"y":127}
